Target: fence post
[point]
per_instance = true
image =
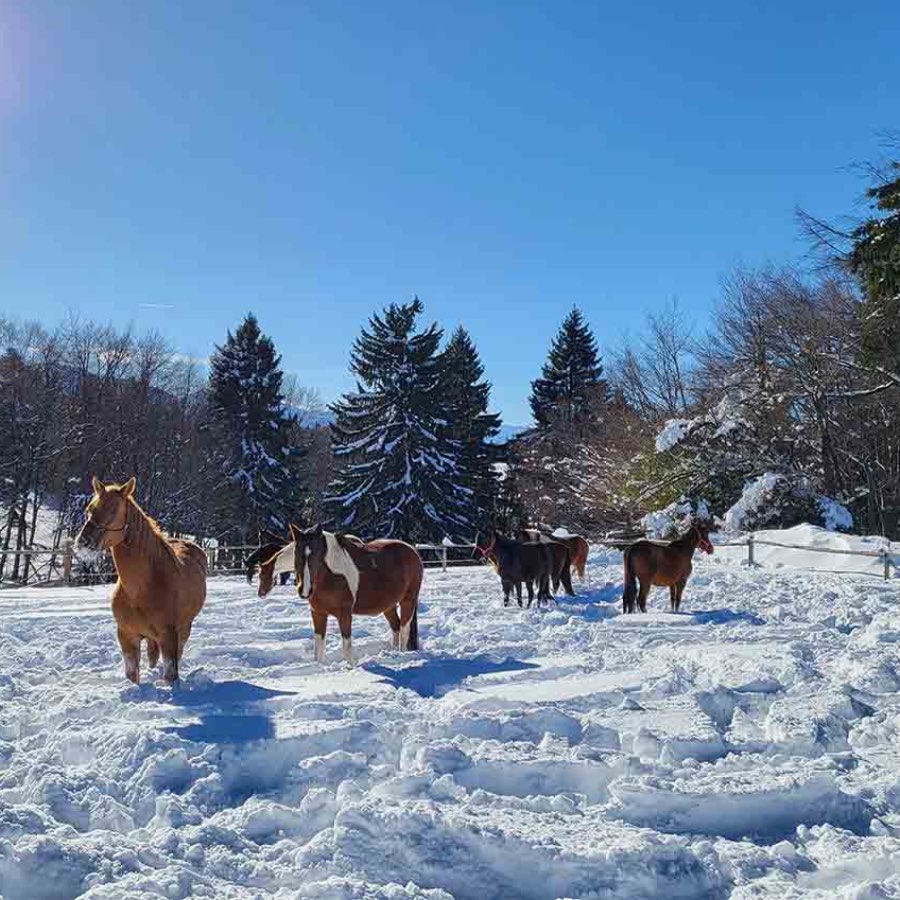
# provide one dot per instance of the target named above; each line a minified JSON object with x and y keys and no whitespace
{"x":67,"y":561}
{"x":444,"y":557}
{"x":750,"y":560}
{"x":886,"y":557}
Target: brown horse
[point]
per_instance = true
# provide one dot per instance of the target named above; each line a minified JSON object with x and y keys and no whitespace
{"x":667,"y":565}
{"x":341,"y":576}
{"x":162,"y":582}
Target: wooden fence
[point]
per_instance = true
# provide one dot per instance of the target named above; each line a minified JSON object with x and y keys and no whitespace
{"x":38,"y":566}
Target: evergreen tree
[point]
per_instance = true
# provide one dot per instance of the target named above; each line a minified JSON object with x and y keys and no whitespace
{"x":875,"y":260}
{"x":251,"y":433}
{"x":570,"y":378}
{"x":398,"y":472}
{"x":470,"y":424}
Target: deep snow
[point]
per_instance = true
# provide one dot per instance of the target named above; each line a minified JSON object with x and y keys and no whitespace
{"x":747,"y":747}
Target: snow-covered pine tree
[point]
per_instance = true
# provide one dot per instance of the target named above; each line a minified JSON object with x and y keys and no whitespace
{"x":564,"y":393}
{"x":470,"y":424}
{"x":250,"y":431}
{"x":398,"y":472}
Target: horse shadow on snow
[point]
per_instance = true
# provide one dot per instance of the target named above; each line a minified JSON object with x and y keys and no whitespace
{"x":438,"y":676}
{"x":228,"y":712}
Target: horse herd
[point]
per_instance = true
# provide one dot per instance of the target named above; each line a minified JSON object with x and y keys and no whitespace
{"x":161,"y":584}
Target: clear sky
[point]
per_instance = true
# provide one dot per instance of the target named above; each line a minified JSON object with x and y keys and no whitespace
{"x":175,"y":164}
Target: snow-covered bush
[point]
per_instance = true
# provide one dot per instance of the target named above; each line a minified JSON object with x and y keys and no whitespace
{"x":675,"y":519}
{"x":773,"y":500}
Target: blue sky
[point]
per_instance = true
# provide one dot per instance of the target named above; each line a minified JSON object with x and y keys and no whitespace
{"x":176,"y":164}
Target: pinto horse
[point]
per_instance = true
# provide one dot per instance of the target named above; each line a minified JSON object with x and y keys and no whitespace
{"x":162,"y":581}
{"x":269,"y":545}
{"x":342,"y":576}
{"x":517,"y":561}
{"x":667,"y":565}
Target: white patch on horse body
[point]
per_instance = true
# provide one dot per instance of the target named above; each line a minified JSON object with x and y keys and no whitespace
{"x":320,"y":648}
{"x":348,"y":649}
{"x":340,"y":562}
{"x":404,"y":636}
{"x":284,"y":560}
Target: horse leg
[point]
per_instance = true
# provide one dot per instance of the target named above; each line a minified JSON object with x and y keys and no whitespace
{"x":673,"y":599}
{"x":507,"y":590}
{"x":519,"y":592}
{"x":394,"y":622}
{"x":131,"y":653}
{"x":170,"y":654}
{"x":320,"y":623}
{"x":679,"y":592}
{"x":346,"y":625}
{"x":642,"y":595}
{"x":152,"y":653}
{"x":530,"y":585}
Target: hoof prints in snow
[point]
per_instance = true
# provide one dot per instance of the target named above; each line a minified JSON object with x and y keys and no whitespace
{"x":744,"y":748}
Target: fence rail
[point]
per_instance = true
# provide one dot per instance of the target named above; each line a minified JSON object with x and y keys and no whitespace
{"x":49,"y":567}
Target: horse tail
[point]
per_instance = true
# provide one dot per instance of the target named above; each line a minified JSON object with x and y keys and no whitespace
{"x":413,"y":640}
{"x":566,"y":574}
{"x":629,"y":592}
{"x":581,"y":555}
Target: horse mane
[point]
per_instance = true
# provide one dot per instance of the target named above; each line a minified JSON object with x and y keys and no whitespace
{"x":340,"y":562}
{"x":145,"y":535}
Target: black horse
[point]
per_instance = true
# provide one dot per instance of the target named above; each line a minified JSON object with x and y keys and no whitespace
{"x":562,"y":557}
{"x":516,"y":562}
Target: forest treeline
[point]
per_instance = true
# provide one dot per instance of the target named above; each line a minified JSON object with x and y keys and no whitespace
{"x":785,"y":408}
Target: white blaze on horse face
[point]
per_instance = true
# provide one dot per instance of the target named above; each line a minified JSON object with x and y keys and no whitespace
{"x":306,"y":577}
{"x":340,"y":562}
{"x":320,"y":648}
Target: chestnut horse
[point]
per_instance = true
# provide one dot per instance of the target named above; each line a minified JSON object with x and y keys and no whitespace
{"x":162,"y":582}
{"x":341,"y":576}
{"x":664,"y":564}
{"x":578,"y":546}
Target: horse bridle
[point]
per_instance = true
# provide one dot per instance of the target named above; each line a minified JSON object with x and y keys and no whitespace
{"x":704,"y":543}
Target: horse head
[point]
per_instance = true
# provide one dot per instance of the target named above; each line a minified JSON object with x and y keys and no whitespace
{"x":309,"y":556}
{"x":702,"y":528}
{"x":482,"y":551}
{"x":106,"y":515}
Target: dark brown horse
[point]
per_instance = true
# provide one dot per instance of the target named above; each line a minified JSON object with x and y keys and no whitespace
{"x":663,"y":564}
{"x":531,"y":562}
{"x":562,"y":557}
{"x":578,"y":546}
{"x":162,"y":581}
{"x":342,"y":576}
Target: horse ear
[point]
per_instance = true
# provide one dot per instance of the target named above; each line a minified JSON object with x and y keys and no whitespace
{"x":129,"y":487}
{"x":98,"y":486}
{"x":295,"y":532}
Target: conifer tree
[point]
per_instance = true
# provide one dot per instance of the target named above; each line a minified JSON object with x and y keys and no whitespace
{"x":251,"y":433}
{"x":569,"y":379}
{"x":398,"y":472}
{"x":470,"y":424}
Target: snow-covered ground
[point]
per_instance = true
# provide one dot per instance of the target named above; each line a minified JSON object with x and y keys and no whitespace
{"x":748,"y":747}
